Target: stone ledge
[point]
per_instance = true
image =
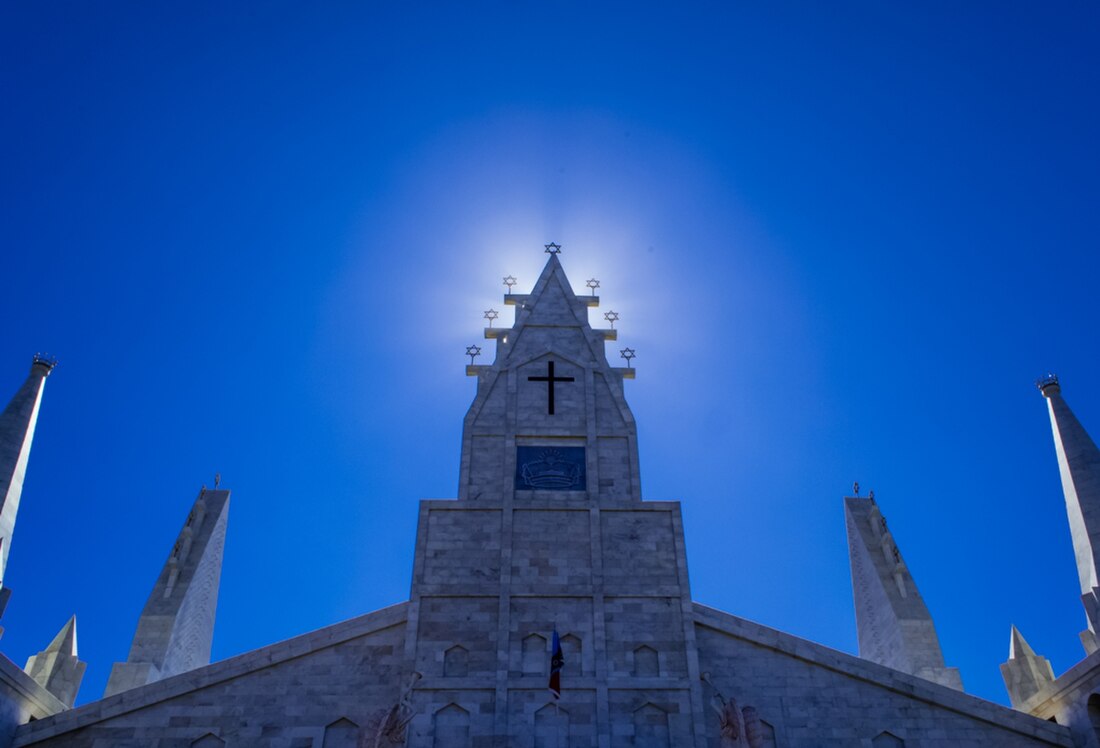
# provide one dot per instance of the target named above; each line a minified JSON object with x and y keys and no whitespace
{"x":15,"y":679}
{"x":218,"y":672}
{"x":521,"y":299}
{"x":893,"y":680}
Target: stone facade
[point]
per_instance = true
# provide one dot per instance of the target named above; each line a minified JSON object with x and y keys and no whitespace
{"x":549,"y":533}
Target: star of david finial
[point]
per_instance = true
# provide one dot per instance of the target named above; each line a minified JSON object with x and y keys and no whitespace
{"x":611,"y":317}
{"x":473,"y":352}
{"x":553,"y":248}
{"x":593,"y":284}
{"x":628,"y":354}
{"x":509,"y":281}
{"x":491,"y":314}
{"x":855,"y":487}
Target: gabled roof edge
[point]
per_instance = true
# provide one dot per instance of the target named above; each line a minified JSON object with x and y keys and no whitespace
{"x":217,"y":672}
{"x":880,"y":675}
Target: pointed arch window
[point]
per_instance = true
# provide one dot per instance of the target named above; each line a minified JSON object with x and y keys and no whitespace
{"x":456,"y":662}
{"x":451,"y":727}
{"x":535,"y":655}
{"x":647,"y":663}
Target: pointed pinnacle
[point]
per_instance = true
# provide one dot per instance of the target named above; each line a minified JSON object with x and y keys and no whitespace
{"x":1018,"y":646}
{"x":65,"y":641}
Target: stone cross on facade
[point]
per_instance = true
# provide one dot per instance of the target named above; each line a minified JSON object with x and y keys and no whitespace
{"x":550,"y":379}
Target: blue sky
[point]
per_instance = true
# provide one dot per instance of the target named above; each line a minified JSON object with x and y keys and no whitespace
{"x":843,"y":239}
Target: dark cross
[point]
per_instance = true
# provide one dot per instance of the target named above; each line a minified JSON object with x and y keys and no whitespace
{"x":550,"y":379}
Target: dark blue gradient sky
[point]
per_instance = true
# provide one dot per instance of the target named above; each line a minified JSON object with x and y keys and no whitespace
{"x":843,"y":238}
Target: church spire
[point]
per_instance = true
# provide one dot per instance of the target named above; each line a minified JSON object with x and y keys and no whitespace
{"x":57,"y":668}
{"x":16,"y":433}
{"x":1025,"y":673}
{"x":1079,"y":464}
{"x":894,"y":626}
{"x":549,"y":417}
{"x":176,"y":627}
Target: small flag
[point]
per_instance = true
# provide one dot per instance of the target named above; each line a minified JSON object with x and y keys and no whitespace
{"x":556,"y":662}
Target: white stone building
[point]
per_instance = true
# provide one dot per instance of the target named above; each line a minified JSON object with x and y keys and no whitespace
{"x":549,"y":534}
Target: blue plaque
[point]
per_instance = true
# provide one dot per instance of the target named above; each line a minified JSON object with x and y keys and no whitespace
{"x":550,"y":469}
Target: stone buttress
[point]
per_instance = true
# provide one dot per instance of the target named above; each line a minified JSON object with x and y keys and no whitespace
{"x":57,"y":667}
{"x":894,"y":626}
{"x":1025,"y":673}
{"x":176,"y":628}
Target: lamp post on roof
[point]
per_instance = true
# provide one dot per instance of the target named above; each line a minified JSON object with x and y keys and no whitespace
{"x":628,"y":354}
{"x":473,"y":352}
{"x":491,"y":314}
{"x":553,"y":248}
{"x":612,"y":317}
{"x":593,"y":284}
{"x":509,"y":281}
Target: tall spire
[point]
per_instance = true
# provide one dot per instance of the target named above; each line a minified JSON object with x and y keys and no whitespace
{"x":16,"y":433}
{"x":894,"y":625}
{"x":56,"y":668}
{"x":1025,"y":673}
{"x":550,"y":413}
{"x":1079,"y":464}
{"x":176,"y":627}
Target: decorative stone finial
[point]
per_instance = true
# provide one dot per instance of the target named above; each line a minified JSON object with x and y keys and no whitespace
{"x":553,"y":248}
{"x":611,"y":317}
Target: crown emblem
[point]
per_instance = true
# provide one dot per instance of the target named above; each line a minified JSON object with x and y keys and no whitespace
{"x":551,"y":471}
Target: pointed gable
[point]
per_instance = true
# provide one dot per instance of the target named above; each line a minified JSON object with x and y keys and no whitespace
{"x":550,"y":410}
